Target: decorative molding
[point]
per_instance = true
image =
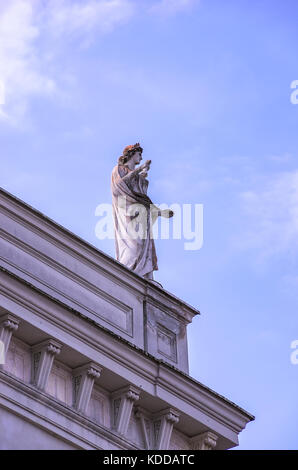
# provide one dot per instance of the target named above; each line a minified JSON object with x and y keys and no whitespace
{"x":116,"y":407}
{"x":166,"y":342}
{"x":43,"y":357}
{"x":163,"y":426}
{"x":58,"y":418}
{"x":83,"y":381}
{"x":76,"y":386}
{"x":123,"y":401}
{"x":195,"y":400}
{"x":205,"y":441}
{"x":8,"y":325}
{"x":95,"y":290}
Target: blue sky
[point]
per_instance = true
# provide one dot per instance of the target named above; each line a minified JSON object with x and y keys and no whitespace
{"x":205,"y":87}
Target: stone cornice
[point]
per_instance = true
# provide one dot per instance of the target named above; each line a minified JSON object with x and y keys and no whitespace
{"x":156,"y":378}
{"x":204,"y":399}
{"x":71,"y":243}
{"x":62,"y":270}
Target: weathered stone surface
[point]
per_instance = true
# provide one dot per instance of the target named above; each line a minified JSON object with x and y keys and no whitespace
{"x":134,"y":213}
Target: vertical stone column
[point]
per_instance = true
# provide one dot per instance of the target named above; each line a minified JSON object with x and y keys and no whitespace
{"x":146,"y":425}
{"x":123,"y":401}
{"x":8,"y":325}
{"x":43,"y":358}
{"x":163,"y":427}
{"x":205,"y":441}
{"x":83,"y":381}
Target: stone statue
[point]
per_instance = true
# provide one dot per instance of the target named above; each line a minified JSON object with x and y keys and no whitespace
{"x":134,"y":213}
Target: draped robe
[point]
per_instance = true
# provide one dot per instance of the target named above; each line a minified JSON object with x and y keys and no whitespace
{"x":136,"y":252}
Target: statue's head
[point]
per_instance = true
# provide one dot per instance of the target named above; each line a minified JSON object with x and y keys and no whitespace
{"x":131,"y":151}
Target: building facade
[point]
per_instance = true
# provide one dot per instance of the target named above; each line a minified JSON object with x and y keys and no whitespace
{"x":94,"y":356}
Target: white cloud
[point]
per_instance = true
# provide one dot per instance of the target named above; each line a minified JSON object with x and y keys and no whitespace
{"x":28,"y":31}
{"x":283,"y":158}
{"x":19,"y":64}
{"x":69,"y":17}
{"x":271,"y":216}
{"x":35,"y":35}
{"x":163,"y":90}
{"x":170,"y":7}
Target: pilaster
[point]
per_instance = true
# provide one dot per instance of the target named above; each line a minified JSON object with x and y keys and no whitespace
{"x":163,"y":427}
{"x":123,"y":401}
{"x":205,"y":441}
{"x":43,"y":358}
{"x":8,"y":325}
{"x":83,"y":381}
{"x":146,"y":424}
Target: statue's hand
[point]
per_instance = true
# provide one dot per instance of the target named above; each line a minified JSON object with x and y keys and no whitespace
{"x":167,"y":213}
{"x":144,"y":168}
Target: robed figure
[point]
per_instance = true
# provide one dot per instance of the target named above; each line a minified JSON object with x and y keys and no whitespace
{"x":134,"y":213}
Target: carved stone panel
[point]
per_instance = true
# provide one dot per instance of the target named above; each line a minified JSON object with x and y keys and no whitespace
{"x":60,"y":383}
{"x":99,"y":407}
{"x":166,"y":343}
{"x":179,"y":441}
{"x":18,"y":360}
{"x":165,"y":336}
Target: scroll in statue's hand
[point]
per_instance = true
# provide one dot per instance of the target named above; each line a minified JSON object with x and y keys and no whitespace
{"x":144,"y":168}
